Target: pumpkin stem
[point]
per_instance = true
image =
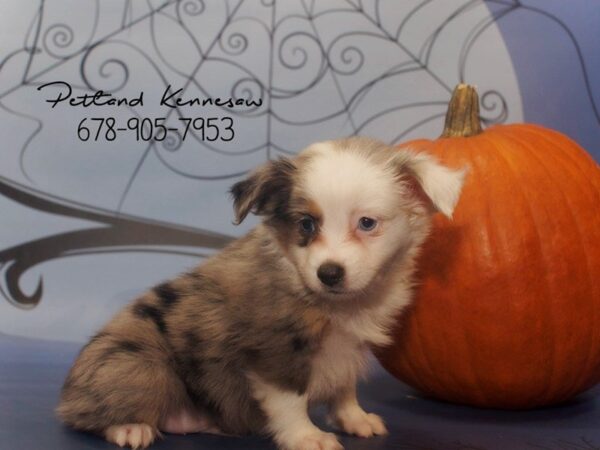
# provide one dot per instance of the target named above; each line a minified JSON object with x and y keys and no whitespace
{"x":462,"y":117}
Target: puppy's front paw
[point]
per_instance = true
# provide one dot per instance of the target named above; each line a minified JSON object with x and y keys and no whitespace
{"x":134,"y":435}
{"x":318,"y":440}
{"x":359,"y":423}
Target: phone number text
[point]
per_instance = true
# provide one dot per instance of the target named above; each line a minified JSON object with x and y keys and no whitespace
{"x":146,"y":129}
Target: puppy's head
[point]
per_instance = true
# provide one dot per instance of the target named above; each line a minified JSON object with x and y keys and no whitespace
{"x":343,"y":209}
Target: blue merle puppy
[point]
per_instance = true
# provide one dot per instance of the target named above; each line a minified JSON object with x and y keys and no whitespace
{"x":279,"y":320}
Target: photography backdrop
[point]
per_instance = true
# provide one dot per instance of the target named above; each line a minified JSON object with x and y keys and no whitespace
{"x":98,"y":203}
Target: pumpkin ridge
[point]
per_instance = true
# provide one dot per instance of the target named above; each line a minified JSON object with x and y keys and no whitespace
{"x":549,"y":321}
{"x":474,"y":387}
{"x":477,"y":171}
{"x":466,"y":339}
{"x":576,"y":161}
{"x":541,"y":255}
{"x":544,"y":133}
{"x":591,"y":290}
{"x":582,"y":253}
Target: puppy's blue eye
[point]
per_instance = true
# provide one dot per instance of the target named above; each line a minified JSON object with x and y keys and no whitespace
{"x":367,"y":224}
{"x":307,"y":225}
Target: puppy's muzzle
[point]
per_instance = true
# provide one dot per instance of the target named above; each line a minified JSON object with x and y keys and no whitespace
{"x":331,"y":274}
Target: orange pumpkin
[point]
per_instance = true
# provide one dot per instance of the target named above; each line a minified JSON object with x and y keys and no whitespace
{"x":507,"y":311}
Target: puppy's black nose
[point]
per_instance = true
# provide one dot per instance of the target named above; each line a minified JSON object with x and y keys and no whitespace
{"x":330,"y":273}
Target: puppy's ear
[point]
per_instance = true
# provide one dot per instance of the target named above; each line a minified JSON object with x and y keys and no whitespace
{"x":266,"y":191}
{"x":440,"y":185}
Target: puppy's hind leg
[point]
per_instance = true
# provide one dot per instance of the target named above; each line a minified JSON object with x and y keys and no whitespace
{"x":121,"y":388}
{"x":188,"y":420}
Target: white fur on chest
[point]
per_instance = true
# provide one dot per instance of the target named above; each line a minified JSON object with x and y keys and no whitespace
{"x":341,"y":360}
{"x":343,"y":356}
{"x":372,"y":325}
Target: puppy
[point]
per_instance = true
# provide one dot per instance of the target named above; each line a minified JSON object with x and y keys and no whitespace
{"x":279,"y":320}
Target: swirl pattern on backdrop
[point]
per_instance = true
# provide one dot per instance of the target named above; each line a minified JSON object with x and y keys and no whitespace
{"x":311,"y":64}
